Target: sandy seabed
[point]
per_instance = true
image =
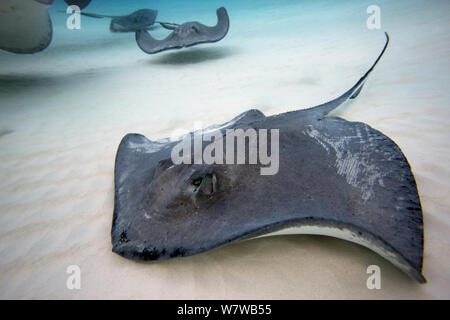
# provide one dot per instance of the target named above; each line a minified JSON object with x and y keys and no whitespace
{"x":64,"y":111}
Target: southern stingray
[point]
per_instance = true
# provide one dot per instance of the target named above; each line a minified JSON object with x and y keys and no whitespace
{"x":185,"y":35}
{"x":336,"y":178}
{"x":25,"y":25}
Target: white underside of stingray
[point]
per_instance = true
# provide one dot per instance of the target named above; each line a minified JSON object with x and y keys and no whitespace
{"x":25,"y":25}
{"x":349,"y":235}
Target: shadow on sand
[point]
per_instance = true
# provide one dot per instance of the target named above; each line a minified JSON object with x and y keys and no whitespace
{"x":14,"y":83}
{"x":47,"y":83}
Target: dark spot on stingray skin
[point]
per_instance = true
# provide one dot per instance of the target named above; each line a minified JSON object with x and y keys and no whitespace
{"x":179,"y":252}
{"x":123,"y":237}
{"x":148,"y":254}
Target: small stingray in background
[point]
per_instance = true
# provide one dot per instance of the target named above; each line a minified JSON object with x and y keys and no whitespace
{"x":25,"y":25}
{"x":186,"y":35}
{"x":336,"y":178}
{"x":139,"y":20}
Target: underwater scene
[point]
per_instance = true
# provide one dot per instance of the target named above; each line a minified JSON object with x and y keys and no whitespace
{"x":234,"y":149}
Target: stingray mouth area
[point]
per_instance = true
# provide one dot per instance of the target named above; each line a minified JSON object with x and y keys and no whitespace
{"x":352,"y":234}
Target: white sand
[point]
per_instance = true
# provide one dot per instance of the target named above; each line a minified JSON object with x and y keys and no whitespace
{"x":69,"y":107}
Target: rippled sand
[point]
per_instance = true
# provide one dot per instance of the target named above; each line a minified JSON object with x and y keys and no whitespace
{"x":63,"y":113}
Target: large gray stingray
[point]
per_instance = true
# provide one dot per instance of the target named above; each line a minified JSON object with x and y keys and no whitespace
{"x":336,"y":178}
{"x":186,"y":35}
{"x":25,"y":25}
{"x":138,"y":20}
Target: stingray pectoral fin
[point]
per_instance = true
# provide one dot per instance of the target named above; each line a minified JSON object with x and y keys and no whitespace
{"x":147,"y":43}
{"x":220,"y":30}
{"x":25,"y":26}
{"x":323,"y":109}
{"x":186,"y":35}
{"x":348,"y":232}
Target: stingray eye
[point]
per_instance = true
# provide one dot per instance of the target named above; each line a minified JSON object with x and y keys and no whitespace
{"x":197,"y":182}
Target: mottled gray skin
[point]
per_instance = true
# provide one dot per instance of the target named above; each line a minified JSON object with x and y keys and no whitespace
{"x":140,"y":19}
{"x":332,"y":173}
{"x":186,"y":35}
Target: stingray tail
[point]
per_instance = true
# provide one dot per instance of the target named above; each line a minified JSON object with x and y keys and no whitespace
{"x":90,"y":14}
{"x":95,"y":15}
{"x":325,"y":108}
